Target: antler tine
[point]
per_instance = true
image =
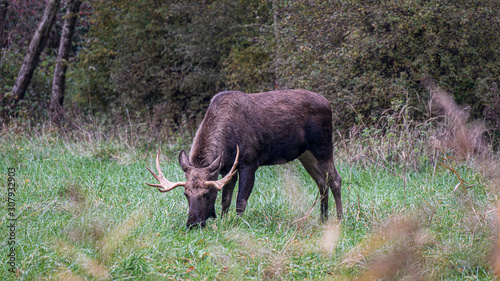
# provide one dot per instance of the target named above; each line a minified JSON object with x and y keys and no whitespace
{"x":222,"y":182}
{"x":164,"y":185}
{"x":158,"y":168}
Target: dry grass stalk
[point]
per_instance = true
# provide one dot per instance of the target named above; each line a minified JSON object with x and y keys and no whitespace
{"x":292,"y":189}
{"x":276,"y":269}
{"x":330,"y":237}
{"x":115,"y":237}
{"x":391,"y":252}
{"x":494,"y":171}
{"x":67,"y":275}
{"x":464,"y":138}
{"x":255,"y":249}
{"x":90,"y":266}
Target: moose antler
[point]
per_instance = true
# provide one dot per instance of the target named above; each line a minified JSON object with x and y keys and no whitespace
{"x":164,"y":185}
{"x":219,"y":184}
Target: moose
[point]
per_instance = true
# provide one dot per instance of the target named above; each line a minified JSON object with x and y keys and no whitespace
{"x":241,"y":132}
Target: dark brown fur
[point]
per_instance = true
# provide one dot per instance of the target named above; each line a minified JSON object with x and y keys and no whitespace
{"x":269,"y":128}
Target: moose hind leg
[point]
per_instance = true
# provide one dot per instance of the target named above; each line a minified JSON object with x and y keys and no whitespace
{"x":326,"y":176}
{"x":319,"y":176}
{"x":335,"y":183}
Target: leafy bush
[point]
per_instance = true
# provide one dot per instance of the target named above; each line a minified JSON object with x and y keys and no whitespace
{"x":360,"y":53}
{"x":169,"y":52}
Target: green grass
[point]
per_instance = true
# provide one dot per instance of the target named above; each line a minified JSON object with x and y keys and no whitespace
{"x":86,"y":213}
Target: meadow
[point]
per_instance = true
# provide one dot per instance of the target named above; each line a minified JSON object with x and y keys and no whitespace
{"x":411,"y":212}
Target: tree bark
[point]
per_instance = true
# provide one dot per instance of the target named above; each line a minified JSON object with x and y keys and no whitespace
{"x":4,"y":5}
{"x":35,"y":49}
{"x":59,"y":82}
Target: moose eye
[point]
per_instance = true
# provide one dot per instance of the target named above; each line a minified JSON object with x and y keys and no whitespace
{"x":206,"y":195}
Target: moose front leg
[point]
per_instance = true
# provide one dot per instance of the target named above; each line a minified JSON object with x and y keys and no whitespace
{"x":227,"y":194}
{"x":212,"y":213}
{"x":247,"y":179}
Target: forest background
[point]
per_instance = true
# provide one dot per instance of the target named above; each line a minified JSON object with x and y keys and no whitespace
{"x":160,"y":62}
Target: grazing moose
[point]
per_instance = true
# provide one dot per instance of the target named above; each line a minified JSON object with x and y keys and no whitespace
{"x":241,"y":132}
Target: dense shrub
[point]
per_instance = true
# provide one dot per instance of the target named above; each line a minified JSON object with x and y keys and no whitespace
{"x":165,"y":52}
{"x":362,"y":53}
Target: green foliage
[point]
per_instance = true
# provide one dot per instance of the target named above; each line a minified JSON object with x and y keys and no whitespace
{"x":38,"y":93}
{"x":166,"y":52}
{"x":249,"y":69}
{"x":9,"y":67}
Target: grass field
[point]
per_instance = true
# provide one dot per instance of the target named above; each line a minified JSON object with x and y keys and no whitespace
{"x":85,"y":213}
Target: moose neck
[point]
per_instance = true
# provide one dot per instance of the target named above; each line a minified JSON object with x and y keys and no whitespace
{"x":209,"y":142}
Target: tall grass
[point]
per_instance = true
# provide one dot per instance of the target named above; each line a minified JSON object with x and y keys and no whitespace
{"x":415,"y":208}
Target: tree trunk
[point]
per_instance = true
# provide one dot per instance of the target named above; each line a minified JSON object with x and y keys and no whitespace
{"x":4,"y":5}
{"x":35,"y":49}
{"x":59,"y":82}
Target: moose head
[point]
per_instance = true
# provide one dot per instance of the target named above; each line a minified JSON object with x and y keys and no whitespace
{"x":200,"y":188}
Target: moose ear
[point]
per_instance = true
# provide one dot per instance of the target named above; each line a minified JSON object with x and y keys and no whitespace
{"x":184,"y":162}
{"x":216,"y":165}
